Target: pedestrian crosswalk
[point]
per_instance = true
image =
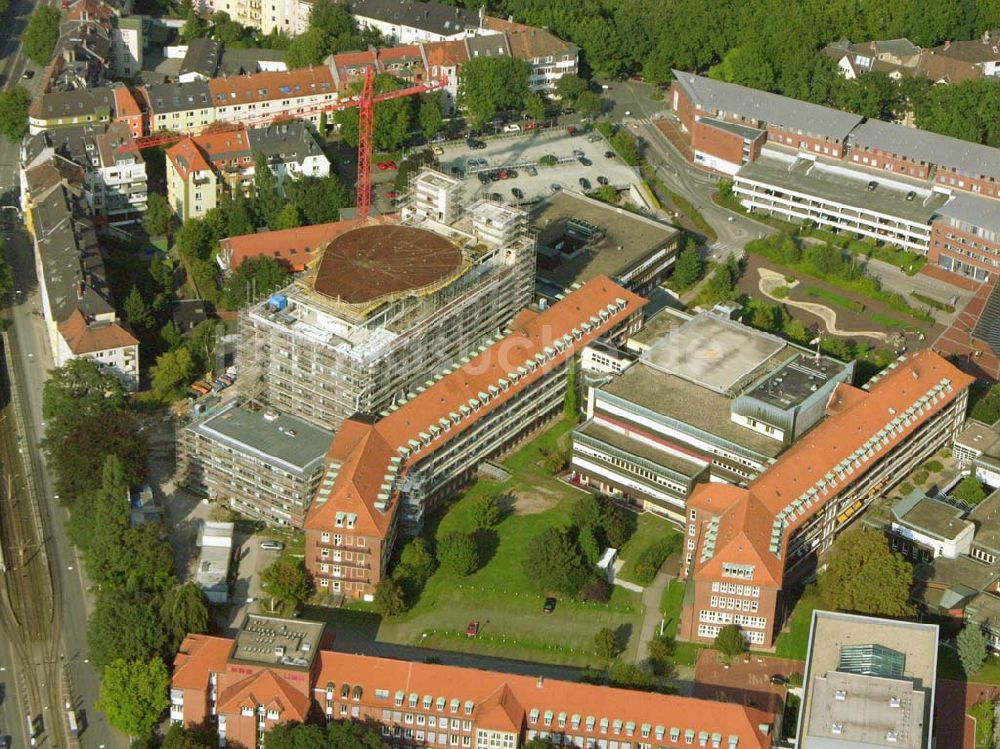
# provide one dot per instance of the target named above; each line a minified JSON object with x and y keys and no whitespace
{"x":723,"y":249}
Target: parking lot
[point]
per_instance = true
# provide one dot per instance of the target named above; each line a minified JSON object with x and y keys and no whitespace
{"x":525,"y":150}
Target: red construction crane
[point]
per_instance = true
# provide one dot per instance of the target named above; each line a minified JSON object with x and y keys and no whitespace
{"x":365,"y":102}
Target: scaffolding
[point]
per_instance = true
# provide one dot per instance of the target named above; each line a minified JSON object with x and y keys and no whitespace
{"x":324,"y":360}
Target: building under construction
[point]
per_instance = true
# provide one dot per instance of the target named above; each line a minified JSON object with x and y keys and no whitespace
{"x":386,"y":306}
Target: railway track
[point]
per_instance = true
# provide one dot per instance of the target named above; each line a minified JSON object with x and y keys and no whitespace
{"x":31,"y":593}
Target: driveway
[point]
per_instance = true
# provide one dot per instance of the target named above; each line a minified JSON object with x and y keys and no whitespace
{"x":651,"y":598}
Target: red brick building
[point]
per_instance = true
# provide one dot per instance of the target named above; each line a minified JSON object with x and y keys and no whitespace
{"x":383,"y":473}
{"x":746,"y":544}
{"x":278,"y":670}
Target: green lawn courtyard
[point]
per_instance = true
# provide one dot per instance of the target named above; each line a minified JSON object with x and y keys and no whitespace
{"x":500,"y":595}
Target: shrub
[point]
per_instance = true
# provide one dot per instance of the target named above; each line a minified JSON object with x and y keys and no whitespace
{"x":652,"y":558}
{"x":934,"y":466}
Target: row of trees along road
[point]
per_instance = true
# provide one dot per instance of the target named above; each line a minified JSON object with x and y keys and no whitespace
{"x":97,"y":451}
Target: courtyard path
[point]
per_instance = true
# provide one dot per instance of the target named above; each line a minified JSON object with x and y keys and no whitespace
{"x":651,"y":598}
{"x":771,"y":280}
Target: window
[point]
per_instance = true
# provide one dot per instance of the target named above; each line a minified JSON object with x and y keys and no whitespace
{"x":469,"y":705}
{"x":413,"y":699}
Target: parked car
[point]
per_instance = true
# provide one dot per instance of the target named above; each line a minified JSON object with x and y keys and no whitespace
{"x":473,"y":629}
{"x":28,"y":75}
{"x":556,"y":187}
{"x":571,"y":130}
{"x":389,"y":165}
{"x":578,"y":153}
{"x":438,"y":150}
{"x":529,"y":125}
{"x":532,"y":172}
{"x":872,"y":185}
{"x":609,"y":154}
{"x":439,"y":138}
{"x":271,"y":545}
{"x":474,"y":144}
{"x":584,"y":183}
{"x":911,"y":195}
{"x":512,"y":173}
{"x":778,"y":679}
{"x":585,"y":161}
{"x":549,"y":606}
{"x":517,"y":192}
{"x":512,"y":128}
{"x":496,"y":197}
{"x":484,"y":178}
{"x":392,"y":194}
{"x":502,"y":174}
{"x":593,"y":138}
{"x":455,"y":171}
{"x":602,"y":180}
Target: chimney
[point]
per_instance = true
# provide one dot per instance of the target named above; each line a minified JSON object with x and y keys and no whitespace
{"x":541,"y":682}
{"x":947,"y":44}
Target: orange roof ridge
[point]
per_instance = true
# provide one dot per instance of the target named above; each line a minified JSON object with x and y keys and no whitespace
{"x":537,"y":343}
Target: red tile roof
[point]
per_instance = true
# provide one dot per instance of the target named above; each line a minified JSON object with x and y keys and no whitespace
{"x":265,"y":688}
{"x":741,"y":534}
{"x":501,"y":699}
{"x":362,"y":451}
{"x":125,"y":103}
{"x":446,"y":54}
{"x":198,"y":656}
{"x":186,"y":158}
{"x":976,"y":356}
{"x":246,"y":89}
{"x":84,"y":338}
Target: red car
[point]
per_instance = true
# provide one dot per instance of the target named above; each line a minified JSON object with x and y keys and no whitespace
{"x":387,"y":166}
{"x":473,"y":629}
{"x":571,"y":130}
{"x":392,"y":194}
{"x":503,"y":174}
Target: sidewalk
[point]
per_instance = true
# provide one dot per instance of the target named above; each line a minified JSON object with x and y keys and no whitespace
{"x":651,"y":598}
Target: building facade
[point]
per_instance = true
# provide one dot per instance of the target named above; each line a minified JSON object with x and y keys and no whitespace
{"x":385,"y":472}
{"x":261,"y":463}
{"x":282,"y":670}
{"x":329,"y":346}
{"x":745,"y":545}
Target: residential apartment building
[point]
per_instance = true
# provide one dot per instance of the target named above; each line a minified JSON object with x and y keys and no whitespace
{"x":549,"y":56}
{"x":179,"y":107}
{"x":709,"y":400}
{"x":414,"y":21}
{"x":290,"y":149}
{"x":869,"y":682}
{"x":283,"y":670}
{"x":928,"y":193}
{"x":345,"y":339}
{"x":61,"y":109}
{"x":80,"y":316}
{"x":386,"y":471}
{"x":745,"y":546}
{"x":127,"y":41}
{"x":261,"y":463}
{"x":114,"y":171}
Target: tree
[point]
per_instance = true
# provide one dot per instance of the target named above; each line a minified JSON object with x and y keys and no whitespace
{"x":331,"y":18}
{"x":41,"y":34}
{"x":485,"y":511}
{"x":255,"y":278}
{"x":178,"y":737}
{"x":77,"y":390}
{"x":286,"y":582}
{"x":184,"y":611}
{"x":319,"y":199}
{"x":745,"y":66}
{"x":416,"y":562}
{"x":589,"y":546}
{"x":14,"y":103}
{"x":606,"y":644}
{"x":969,"y":490}
{"x":569,"y":87}
{"x":555,"y":562}
{"x":393,"y":118}
{"x":864,"y":575}
{"x":6,"y":276}
{"x":134,"y":695}
{"x":534,"y":107}
{"x":124,"y":627}
{"x":389,"y":597}
{"x":137,"y":312}
{"x":626,"y":675}
{"x":224,"y":29}
{"x":194,"y":26}
{"x":431,"y":114}
{"x":194,"y":240}
{"x":323,"y":126}
{"x":730,"y":642}
{"x":625,"y":145}
{"x":267,"y":201}
{"x":589,"y":104}
{"x":660,"y":651}
{"x":290,"y":217}
{"x":171,"y":335}
{"x":688,"y":268}
{"x":458,"y":553}
{"x":79,"y":458}
{"x":307,"y":49}
{"x":173,"y":369}
{"x":971,"y":646}
{"x":158,"y":217}
{"x":490,"y":85}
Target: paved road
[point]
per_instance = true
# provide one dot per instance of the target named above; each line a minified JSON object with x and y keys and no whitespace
{"x":651,"y":598}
